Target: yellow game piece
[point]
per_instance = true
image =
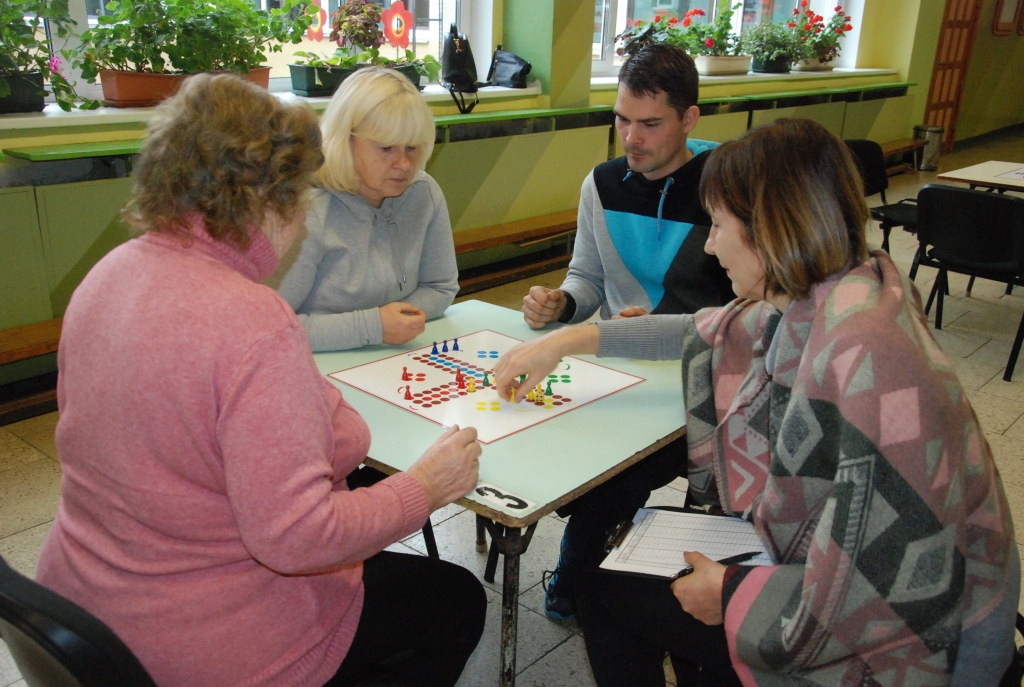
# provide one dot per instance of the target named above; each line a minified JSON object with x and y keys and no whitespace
{"x":471,"y":385}
{"x":531,"y":396}
{"x":512,"y":395}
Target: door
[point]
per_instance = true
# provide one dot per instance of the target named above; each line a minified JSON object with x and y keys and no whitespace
{"x":956,"y":41}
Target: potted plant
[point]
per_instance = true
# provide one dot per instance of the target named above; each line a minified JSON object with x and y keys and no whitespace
{"x":820,"y":40}
{"x":316,"y":75}
{"x":408,"y":64}
{"x":773,"y":48}
{"x":715,"y":49}
{"x":143,"y":49}
{"x":26,"y":60}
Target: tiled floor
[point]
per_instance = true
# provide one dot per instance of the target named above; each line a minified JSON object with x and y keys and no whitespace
{"x":977,"y":333}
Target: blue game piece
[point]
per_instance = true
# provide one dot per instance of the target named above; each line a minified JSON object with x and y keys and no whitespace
{"x":444,"y":348}
{"x":456,"y":346}
{"x":434,"y":351}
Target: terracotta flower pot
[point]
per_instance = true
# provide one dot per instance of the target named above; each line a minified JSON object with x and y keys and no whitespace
{"x":26,"y":93}
{"x":778,"y":66}
{"x":145,"y":89}
{"x":719,"y":65}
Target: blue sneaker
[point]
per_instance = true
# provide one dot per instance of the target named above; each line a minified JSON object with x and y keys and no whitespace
{"x":559,"y":602}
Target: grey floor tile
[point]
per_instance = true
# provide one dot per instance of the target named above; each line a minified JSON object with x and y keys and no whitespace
{"x":37,"y":431}
{"x":9,"y":673}
{"x":565,"y":666}
{"x":995,"y":414}
{"x":667,"y":496}
{"x":21,"y":550}
{"x":28,"y":496}
{"x":537,"y":637}
{"x":455,"y":542}
{"x":1013,"y":390}
{"x":16,"y":452}
{"x":399,"y":547}
{"x":974,"y":374}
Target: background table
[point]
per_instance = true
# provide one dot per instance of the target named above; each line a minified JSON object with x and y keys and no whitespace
{"x":549,"y":464}
{"x":987,"y":174}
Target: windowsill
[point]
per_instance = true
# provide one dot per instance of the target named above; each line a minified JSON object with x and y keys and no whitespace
{"x":610,"y":83}
{"x":53,"y":116}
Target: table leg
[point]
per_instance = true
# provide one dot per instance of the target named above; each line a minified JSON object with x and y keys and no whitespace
{"x":509,"y":609}
{"x":481,"y":538}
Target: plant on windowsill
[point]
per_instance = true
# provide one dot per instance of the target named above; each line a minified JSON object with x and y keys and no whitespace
{"x":153,"y":44}
{"x":714,"y":47}
{"x":773,"y":48}
{"x":26,"y":60}
{"x":820,"y":40}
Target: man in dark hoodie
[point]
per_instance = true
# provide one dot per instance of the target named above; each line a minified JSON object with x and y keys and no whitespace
{"x":639,"y":249}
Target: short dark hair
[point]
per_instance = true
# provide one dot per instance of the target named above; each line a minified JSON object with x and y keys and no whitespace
{"x":660,"y":67}
{"x":796,"y":188}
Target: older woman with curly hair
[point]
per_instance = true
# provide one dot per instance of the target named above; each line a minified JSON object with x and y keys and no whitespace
{"x":378,"y":258}
{"x":204,"y":512}
{"x":820,"y":409}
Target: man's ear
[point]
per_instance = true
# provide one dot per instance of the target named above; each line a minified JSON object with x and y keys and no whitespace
{"x":690,"y":118}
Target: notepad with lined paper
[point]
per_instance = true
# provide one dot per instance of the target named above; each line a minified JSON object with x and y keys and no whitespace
{"x":658,"y":539}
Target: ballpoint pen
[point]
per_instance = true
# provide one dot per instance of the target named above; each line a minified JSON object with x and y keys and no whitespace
{"x":730,"y":560}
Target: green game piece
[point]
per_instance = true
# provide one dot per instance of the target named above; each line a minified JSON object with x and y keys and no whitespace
{"x":487,"y":382}
{"x":522,"y":378}
{"x":547,"y":391}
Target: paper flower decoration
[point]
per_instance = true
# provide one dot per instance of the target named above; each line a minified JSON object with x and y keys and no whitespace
{"x":398,"y":23}
{"x":315,"y":32}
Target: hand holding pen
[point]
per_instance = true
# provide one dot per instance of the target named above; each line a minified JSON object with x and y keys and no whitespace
{"x":699,"y":588}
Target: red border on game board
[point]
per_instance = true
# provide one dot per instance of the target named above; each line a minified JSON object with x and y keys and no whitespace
{"x":481,"y":331}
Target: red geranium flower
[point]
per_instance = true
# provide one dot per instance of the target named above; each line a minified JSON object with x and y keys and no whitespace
{"x":657,"y":19}
{"x":848,"y":27}
{"x":807,"y":27}
{"x":839,"y":8}
{"x":796,"y":10}
{"x":709,"y":43}
{"x":698,"y":12}
{"x":803,"y":3}
{"x":792,"y":25}
{"x":674,"y":21}
{"x":687,"y":21}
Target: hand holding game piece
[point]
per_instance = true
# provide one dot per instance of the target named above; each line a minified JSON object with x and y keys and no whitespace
{"x":401,"y":322}
{"x":632,"y":311}
{"x":450,"y":468}
{"x":542,"y":306}
{"x":538,"y":358}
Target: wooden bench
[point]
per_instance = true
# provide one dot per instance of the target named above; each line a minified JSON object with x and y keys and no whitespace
{"x":21,"y":343}
{"x":902,"y":147}
{"x":522,"y":233}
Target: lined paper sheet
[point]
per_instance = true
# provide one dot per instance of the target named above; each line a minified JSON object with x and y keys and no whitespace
{"x":658,"y":539}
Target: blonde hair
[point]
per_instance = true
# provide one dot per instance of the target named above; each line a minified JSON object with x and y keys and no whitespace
{"x":377,"y":104}
{"x":799,"y":194}
{"x":227,"y":150}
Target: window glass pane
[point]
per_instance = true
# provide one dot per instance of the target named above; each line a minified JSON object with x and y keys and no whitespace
{"x":766,"y":12}
{"x":601,"y":19}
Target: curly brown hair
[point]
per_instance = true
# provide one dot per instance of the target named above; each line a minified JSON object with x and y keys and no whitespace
{"x":228,"y":150}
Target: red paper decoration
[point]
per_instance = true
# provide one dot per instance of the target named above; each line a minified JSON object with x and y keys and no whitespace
{"x":315,"y":32}
{"x":398,"y":24}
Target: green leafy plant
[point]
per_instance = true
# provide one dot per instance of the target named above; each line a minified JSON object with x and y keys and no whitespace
{"x":24,"y":49}
{"x":818,"y":38}
{"x":355,"y":26}
{"x":339,"y":60}
{"x":769,"y":42}
{"x":693,"y":34}
{"x":427,"y":65}
{"x":188,"y":36}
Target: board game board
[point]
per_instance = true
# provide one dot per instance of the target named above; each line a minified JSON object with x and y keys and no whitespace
{"x":424,"y":382}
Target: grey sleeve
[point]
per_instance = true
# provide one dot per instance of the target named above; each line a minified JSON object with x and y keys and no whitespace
{"x":585,"y":280}
{"x":653,"y":337}
{"x":327,"y":331}
{"x":439,"y":275}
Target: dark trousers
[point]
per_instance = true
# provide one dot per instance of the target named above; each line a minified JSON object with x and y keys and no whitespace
{"x":629,"y":623}
{"x":599,"y":510}
{"x":421,"y":620}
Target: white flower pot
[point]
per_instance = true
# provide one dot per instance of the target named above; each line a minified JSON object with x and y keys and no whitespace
{"x":812,"y":65}
{"x":712,"y":65}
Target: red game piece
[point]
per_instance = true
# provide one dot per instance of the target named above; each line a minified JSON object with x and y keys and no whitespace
{"x":462,"y":382}
{"x":406,"y":377}
{"x":408,"y":394}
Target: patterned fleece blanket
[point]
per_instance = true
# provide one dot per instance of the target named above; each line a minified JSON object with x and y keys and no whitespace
{"x":864,"y":470}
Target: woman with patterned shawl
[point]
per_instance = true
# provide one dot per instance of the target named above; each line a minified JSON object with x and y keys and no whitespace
{"x":819,"y":408}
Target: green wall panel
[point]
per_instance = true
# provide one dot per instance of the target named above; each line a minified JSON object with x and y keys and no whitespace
{"x":829,"y":115}
{"x":886,"y":119}
{"x":720,"y":127}
{"x":80,"y":224}
{"x":994,"y":89}
{"x":23,"y":287}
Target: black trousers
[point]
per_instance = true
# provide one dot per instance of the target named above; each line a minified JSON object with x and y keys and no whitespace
{"x":421,"y":620}
{"x":630,"y":622}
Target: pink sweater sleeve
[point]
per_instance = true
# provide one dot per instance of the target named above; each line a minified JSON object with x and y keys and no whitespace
{"x":283,"y":441}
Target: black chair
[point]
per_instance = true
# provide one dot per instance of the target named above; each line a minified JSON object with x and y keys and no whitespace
{"x":869,"y":158}
{"x":975,"y":233}
{"x":58,"y":644}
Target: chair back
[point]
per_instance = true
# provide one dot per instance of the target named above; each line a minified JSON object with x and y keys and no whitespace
{"x":871,"y":162}
{"x":973,"y":230}
{"x":58,"y":644}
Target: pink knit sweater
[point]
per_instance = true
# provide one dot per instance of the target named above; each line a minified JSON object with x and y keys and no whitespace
{"x":204,"y":514}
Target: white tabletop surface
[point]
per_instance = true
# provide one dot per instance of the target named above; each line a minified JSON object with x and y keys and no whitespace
{"x":542,"y":463}
{"x":987,"y":174}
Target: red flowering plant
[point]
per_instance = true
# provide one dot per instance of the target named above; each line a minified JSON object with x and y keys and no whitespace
{"x":819,"y":39}
{"x":693,"y":33}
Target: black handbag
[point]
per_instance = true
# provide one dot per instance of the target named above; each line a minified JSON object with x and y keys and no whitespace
{"x":508,"y":69}
{"x":458,"y":70}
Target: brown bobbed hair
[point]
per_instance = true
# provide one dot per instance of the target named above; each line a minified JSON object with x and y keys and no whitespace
{"x":799,"y":194}
{"x":227,"y":150}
